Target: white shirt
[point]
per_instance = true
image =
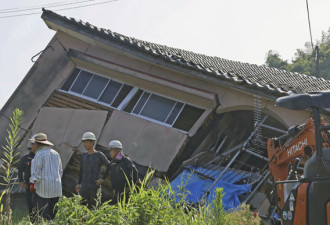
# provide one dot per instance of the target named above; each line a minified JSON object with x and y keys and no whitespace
{"x":46,"y":173}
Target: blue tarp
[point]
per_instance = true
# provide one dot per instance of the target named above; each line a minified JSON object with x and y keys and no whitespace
{"x":195,"y":187}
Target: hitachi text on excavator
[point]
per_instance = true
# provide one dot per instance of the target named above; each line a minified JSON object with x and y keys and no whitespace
{"x":302,"y":199}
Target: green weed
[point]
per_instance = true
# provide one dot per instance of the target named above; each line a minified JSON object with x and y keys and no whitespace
{"x":156,"y":206}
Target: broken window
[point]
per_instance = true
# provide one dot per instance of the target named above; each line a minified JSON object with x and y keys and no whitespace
{"x":158,"y":108}
{"x":96,"y":88}
{"x":110,"y":92}
{"x":174,"y":113}
{"x":188,"y":117}
{"x":124,"y":91}
{"x":130,"y":99}
{"x":81,"y":82}
{"x":70,"y":80}
{"x":133,"y":101}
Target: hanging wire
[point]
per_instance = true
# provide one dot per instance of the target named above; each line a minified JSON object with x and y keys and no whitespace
{"x":49,"y":46}
{"x":26,"y":7}
{"x":62,"y":9}
{"x":50,"y":5}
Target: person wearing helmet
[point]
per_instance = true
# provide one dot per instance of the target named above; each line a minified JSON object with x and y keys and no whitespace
{"x":121,"y":167}
{"x":90,"y":167}
{"x":46,"y":173}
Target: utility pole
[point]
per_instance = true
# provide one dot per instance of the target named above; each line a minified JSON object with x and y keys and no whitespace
{"x":317,"y":61}
{"x":317,"y":54}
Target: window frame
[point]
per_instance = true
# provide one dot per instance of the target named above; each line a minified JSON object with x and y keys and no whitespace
{"x":98,"y":99}
{"x":109,"y":80}
{"x":122,"y":84}
{"x":128,"y":98}
{"x":160,"y":122}
{"x":176,"y":117}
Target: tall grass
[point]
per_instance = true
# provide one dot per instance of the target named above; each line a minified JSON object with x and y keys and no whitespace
{"x":156,"y":206}
{"x":10,"y":158}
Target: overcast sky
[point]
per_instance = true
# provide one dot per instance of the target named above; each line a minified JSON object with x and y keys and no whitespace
{"x":240,"y":30}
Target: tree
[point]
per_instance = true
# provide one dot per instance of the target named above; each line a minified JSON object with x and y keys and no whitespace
{"x":304,"y":59}
{"x":274,"y":60}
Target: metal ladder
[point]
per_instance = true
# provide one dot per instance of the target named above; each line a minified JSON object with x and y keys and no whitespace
{"x":244,"y":147}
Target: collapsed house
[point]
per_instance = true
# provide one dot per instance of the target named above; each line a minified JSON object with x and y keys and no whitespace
{"x":172,"y":109}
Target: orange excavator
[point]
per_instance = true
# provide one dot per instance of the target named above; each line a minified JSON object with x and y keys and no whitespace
{"x":302,"y":199}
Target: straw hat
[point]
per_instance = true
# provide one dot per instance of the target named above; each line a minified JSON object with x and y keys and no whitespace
{"x":41,"y":138}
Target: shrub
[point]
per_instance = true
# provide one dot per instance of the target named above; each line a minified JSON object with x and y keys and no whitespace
{"x":243,"y":216}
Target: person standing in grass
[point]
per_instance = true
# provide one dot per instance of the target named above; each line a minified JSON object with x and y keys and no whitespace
{"x":24,"y":174}
{"x":122,"y":170}
{"x":90,"y":167}
{"x":46,"y":173}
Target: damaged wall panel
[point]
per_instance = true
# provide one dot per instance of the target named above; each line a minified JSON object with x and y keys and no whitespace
{"x":64,"y":127}
{"x":60,"y":99}
{"x":47,"y":74}
{"x":145,"y":142}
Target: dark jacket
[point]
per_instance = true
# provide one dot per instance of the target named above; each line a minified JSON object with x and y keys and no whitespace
{"x":24,"y":168}
{"x":118,"y":169}
{"x":90,"y":167}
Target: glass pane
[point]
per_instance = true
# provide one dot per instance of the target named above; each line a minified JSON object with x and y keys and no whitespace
{"x":70,"y":80}
{"x":95,"y":87}
{"x":188,"y":117}
{"x":110,"y":92}
{"x":174,"y":113}
{"x":81,"y":82}
{"x":141,"y":102}
{"x":133,"y":102}
{"x":121,"y":95}
{"x":158,"y":108}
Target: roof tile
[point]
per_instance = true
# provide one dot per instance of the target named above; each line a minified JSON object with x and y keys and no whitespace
{"x":260,"y":77}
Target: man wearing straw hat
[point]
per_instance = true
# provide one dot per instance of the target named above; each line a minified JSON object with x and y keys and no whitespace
{"x":46,"y":173}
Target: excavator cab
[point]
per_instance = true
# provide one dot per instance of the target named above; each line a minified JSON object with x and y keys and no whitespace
{"x":307,"y":199}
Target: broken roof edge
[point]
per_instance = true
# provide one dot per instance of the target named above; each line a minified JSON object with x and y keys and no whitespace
{"x":133,"y":47}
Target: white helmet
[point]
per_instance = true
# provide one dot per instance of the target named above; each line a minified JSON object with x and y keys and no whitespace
{"x":88,"y":136}
{"x":115,"y":144}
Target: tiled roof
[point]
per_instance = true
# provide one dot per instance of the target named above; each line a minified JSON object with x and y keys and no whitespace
{"x":270,"y":80}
